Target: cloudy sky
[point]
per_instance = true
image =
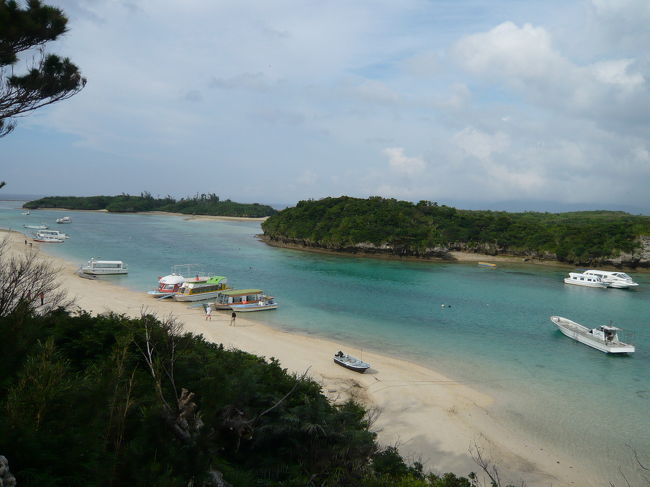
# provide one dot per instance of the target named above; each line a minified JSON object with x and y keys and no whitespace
{"x":470,"y":102}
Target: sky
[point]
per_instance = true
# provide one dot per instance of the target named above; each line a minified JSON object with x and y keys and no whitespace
{"x":491,"y":104}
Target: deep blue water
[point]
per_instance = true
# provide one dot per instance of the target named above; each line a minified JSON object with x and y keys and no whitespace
{"x":494,"y":332}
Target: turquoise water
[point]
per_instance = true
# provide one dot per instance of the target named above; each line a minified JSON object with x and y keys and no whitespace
{"x":496,"y":336}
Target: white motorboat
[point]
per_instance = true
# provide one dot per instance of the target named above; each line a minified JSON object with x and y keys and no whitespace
{"x":65,"y":219}
{"x":26,"y":213}
{"x":265,"y":304}
{"x":350,"y":362}
{"x":584,"y":280}
{"x":616,"y":279}
{"x":36,"y":227}
{"x":604,"y":338}
{"x":52,"y":234}
{"x":97,"y":267}
{"x":36,"y":238}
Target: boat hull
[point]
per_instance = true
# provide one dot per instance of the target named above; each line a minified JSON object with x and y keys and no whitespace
{"x":197,"y":297}
{"x":361,"y":370}
{"x":249,"y":308}
{"x":102,"y":272}
{"x":601,"y":285}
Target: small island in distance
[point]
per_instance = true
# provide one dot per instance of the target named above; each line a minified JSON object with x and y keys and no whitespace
{"x":204,"y":204}
{"x":388,"y":227}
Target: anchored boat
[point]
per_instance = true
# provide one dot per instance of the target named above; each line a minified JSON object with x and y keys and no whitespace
{"x":584,"y":280}
{"x":619,"y":280}
{"x":604,"y":338}
{"x":104,"y":267}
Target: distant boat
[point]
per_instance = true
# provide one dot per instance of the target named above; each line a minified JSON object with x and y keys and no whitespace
{"x":234,"y":297}
{"x":350,"y":362}
{"x":603,"y":338}
{"x":619,"y":280}
{"x":46,"y":239}
{"x":168,"y":286}
{"x":52,"y":234}
{"x":584,"y":280}
{"x":36,"y":227}
{"x":104,"y":267}
{"x":26,"y":213}
{"x":486,"y":264}
{"x":65,"y":219}
{"x":263,"y":305}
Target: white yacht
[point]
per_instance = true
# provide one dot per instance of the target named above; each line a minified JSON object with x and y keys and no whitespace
{"x":584,"y":280}
{"x":104,"y":267}
{"x":65,"y":219}
{"x":603,"y":338}
{"x":619,"y":280}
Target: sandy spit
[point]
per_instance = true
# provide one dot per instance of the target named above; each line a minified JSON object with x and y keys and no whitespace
{"x":430,"y":417}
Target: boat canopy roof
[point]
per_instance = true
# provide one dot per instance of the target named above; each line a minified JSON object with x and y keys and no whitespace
{"x":94,"y":261}
{"x":241,"y":292}
{"x":609,"y":327}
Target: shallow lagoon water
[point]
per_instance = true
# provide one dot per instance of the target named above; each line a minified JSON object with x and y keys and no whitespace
{"x":494,"y":332}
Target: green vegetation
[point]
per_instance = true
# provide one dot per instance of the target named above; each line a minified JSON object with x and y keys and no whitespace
{"x":50,"y":78}
{"x":204,"y":204}
{"x":83,"y":403}
{"x":427,"y":229}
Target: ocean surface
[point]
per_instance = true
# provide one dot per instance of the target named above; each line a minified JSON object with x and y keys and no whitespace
{"x":493,"y":333}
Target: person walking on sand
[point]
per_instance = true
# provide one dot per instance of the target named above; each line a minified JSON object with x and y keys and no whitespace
{"x":42,"y":296}
{"x":233,"y":317}
{"x":208,"y":312}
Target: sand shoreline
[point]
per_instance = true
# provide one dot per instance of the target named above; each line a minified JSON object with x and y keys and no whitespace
{"x":431,"y":417}
{"x":186,"y":215}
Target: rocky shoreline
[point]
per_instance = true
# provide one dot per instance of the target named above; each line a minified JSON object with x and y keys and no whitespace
{"x":462,"y":251}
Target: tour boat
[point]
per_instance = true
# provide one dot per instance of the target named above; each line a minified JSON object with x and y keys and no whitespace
{"x":52,"y":234}
{"x":104,"y":267}
{"x":584,"y":280}
{"x":603,"y":338}
{"x":167,"y":286}
{"x":350,"y":362}
{"x":236,"y":297}
{"x":65,"y":219}
{"x":45,"y":239}
{"x":619,"y":280}
{"x":200,"y":288}
{"x":262,"y":305}
{"x":36,"y":227}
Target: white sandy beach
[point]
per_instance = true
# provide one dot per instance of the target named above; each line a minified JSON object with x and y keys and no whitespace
{"x":430,"y":417}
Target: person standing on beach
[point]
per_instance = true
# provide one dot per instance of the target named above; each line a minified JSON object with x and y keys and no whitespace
{"x":42,"y":296}
{"x":233,"y":317}
{"x":208,"y":312}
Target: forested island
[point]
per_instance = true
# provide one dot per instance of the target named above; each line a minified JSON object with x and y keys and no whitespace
{"x":204,"y":204}
{"x":383,"y":226}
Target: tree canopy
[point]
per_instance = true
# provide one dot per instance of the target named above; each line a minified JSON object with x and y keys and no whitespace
{"x":423,"y":229}
{"x":49,"y":78}
{"x":203,"y":204}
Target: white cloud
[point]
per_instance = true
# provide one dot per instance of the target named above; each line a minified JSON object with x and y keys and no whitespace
{"x":615,"y":72}
{"x":401,"y":163}
{"x":479,"y":144}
